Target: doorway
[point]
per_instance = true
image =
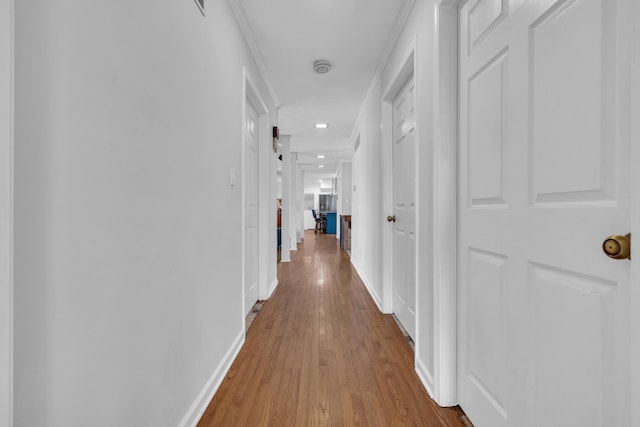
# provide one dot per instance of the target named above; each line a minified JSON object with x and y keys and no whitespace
{"x":255,"y":224}
{"x":403,"y":218}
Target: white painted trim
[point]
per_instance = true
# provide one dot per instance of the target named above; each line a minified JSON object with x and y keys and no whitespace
{"x":634,"y":189}
{"x":394,"y":36}
{"x":250,"y":39}
{"x":251,"y":95}
{"x":293,"y":203}
{"x":387,"y":206}
{"x":272,"y":288}
{"x":445,"y":210}
{"x":285,"y":240}
{"x":266,"y":220}
{"x":7,"y":55}
{"x":425,"y":376}
{"x":406,"y":69}
{"x":367,"y":285}
{"x":193,"y":415}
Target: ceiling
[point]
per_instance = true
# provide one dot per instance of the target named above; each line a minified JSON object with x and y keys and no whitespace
{"x":353,"y":35}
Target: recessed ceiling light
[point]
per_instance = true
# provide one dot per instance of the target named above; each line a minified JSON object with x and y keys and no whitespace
{"x":321,"y":156}
{"x":320,"y":166}
{"x":320,"y":181}
{"x":322,"y":125}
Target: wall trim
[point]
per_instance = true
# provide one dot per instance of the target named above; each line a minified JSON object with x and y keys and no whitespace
{"x":394,"y":36}
{"x":272,"y":288}
{"x":193,"y":415}
{"x":634,"y":190}
{"x":7,"y":59}
{"x":367,"y":285}
{"x":250,"y":94}
{"x":405,"y":70}
{"x":425,"y":376}
{"x":250,"y":39}
{"x":445,"y":196}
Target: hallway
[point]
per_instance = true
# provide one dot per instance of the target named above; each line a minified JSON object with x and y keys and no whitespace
{"x":321,"y":353}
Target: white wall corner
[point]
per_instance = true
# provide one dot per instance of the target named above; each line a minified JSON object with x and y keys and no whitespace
{"x":285,"y":251}
{"x":635,"y":210}
{"x":445,"y":184}
{"x":6,"y":210}
{"x":425,"y":376}
{"x":272,"y":288}
{"x":250,"y":39}
{"x":193,"y":415}
{"x":370,"y":289}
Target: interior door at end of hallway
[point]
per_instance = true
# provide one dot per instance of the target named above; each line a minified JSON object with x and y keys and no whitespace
{"x":543,"y":313}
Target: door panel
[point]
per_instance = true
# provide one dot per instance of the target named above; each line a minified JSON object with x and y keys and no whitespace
{"x":404,"y":194}
{"x":251,"y":208}
{"x":543,"y":180}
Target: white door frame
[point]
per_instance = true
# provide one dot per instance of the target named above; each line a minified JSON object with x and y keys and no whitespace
{"x":406,"y":69}
{"x":634,"y":189}
{"x":250,"y":94}
{"x":445,"y":202}
{"x":6,"y":210}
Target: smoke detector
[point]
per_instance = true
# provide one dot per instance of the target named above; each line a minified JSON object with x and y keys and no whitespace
{"x":321,"y":66}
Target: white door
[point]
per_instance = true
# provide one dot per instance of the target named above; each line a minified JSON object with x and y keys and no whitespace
{"x":404,"y":205}
{"x":544,"y":125}
{"x":251,"y":208}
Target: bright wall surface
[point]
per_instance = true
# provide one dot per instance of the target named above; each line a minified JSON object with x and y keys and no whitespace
{"x":366,"y":241}
{"x":369,"y":210}
{"x":345,"y":188}
{"x":128,"y":292}
{"x":419,"y":29}
{"x":6,"y":210}
{"x":345,"y":192}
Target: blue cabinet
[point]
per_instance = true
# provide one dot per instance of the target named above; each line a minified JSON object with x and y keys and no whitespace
{"x":331,"y":222}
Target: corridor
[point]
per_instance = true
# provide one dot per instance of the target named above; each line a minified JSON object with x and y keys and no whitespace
{"x":321,"y":353}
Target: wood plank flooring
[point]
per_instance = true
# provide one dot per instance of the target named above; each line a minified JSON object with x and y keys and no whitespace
{"x":320,"y":353}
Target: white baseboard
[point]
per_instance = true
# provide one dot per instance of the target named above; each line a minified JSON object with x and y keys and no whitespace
{"x":425,"y":377}
{"x":272,"y":288}
{"x":193,"y":415}
{"x":375,"y":296}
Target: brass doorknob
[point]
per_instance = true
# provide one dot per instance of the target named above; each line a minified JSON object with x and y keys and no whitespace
{"x":391,"y":218}
{"x":617,"y":247}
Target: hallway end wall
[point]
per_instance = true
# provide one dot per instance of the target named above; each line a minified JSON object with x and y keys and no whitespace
{"x":128,"y":298}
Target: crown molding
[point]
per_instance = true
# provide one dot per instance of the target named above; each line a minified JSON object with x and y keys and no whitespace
{"x":392,"y":41}
{"x":250,"y":39}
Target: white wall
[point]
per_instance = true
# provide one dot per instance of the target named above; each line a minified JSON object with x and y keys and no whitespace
{"x":419,"y":29}
{"x":345,"y":190}
{"x":366,"y":230}
{"x":293,"y":205}
{"x":345,"y":186}
{"x":128,"y":292}
{"x":6,"y":212}
{"x":300,"y":203}
{"x":285,"y":252}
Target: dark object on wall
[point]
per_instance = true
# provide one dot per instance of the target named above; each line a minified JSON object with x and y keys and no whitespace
{"x":276,"y":136}
{"x":200,"y":4}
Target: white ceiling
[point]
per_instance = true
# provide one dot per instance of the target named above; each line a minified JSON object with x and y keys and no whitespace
{"x":351,"y":34}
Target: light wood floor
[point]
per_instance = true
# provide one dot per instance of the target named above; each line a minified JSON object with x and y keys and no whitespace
{"x":321,"y":354}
